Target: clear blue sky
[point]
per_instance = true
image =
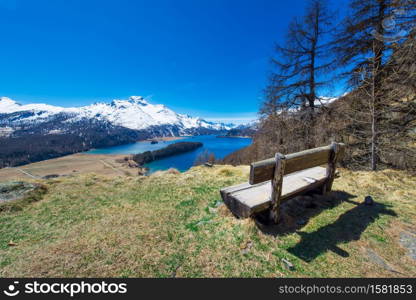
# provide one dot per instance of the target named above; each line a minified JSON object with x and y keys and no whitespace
{"x":208,"y":58}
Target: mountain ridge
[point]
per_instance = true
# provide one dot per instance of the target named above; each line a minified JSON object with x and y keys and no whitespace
{"x":135,"y":113}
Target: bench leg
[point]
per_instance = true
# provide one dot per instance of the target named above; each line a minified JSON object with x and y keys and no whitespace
{"x":275,"y":214}
{"x":323,"y":189}
{"x":277,"y":186}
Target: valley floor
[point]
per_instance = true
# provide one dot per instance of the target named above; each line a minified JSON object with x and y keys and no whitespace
{"x":80,"y":163}
{"x":175,"y":225}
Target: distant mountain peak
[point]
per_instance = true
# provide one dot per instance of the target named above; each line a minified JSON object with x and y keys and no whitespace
{"x":133,"y":113}
{"x":8,"y":105}
{"x":6,"y":99}
{"x":138,"y":100}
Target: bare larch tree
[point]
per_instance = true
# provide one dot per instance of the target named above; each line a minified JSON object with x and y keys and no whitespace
{"x":364,"y":44}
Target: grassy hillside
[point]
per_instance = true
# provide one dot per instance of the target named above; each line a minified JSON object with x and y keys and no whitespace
{"x":174,"y":225}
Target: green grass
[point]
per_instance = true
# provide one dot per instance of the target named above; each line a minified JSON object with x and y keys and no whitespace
{"x":172,"y":225}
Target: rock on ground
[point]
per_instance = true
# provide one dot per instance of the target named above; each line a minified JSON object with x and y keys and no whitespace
{"x":14,"y":190}
{"x":408,"y":241}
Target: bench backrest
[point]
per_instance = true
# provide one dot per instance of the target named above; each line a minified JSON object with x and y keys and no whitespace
{"x":264,"y":170}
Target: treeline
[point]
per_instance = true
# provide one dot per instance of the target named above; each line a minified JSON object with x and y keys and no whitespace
{"x":370,"y":53}
{"x":19,"y":151}
{"x":246,"y":131}
{"x":170,"y":150}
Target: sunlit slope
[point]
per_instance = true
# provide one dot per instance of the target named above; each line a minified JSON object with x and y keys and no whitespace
{"x":174,"y":225}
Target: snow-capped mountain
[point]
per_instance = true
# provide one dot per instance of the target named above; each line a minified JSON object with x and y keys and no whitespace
{"x":34,"y":132}
{"x":135,"y":113}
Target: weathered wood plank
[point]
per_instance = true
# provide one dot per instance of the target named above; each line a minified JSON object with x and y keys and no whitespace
{"x":264,"y":170}
{"x":235,"y":206}
{"x":309,"y":159}
{"x":245,"y":200}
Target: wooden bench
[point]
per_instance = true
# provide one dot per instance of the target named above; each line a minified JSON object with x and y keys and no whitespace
{"x":276,"y":180}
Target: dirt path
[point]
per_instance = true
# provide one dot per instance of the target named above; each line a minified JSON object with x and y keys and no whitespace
{"x":27,"y":173}
{"x":110,"y":166}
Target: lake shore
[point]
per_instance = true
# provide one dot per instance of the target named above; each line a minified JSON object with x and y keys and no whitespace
{"x":234,"y":136}
{"x":171,"y":150}
{"x":166,"y":138}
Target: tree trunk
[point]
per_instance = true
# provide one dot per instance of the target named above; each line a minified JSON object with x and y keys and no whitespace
{"x":373,"y":142}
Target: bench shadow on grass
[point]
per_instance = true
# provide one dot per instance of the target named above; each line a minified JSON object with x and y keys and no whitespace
{"x":348,"y":227}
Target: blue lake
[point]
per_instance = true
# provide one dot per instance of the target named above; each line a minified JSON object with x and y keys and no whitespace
{"x":221,"y":147}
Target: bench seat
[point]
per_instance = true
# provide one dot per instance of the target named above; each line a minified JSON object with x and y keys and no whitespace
{"x":244,"y":200}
